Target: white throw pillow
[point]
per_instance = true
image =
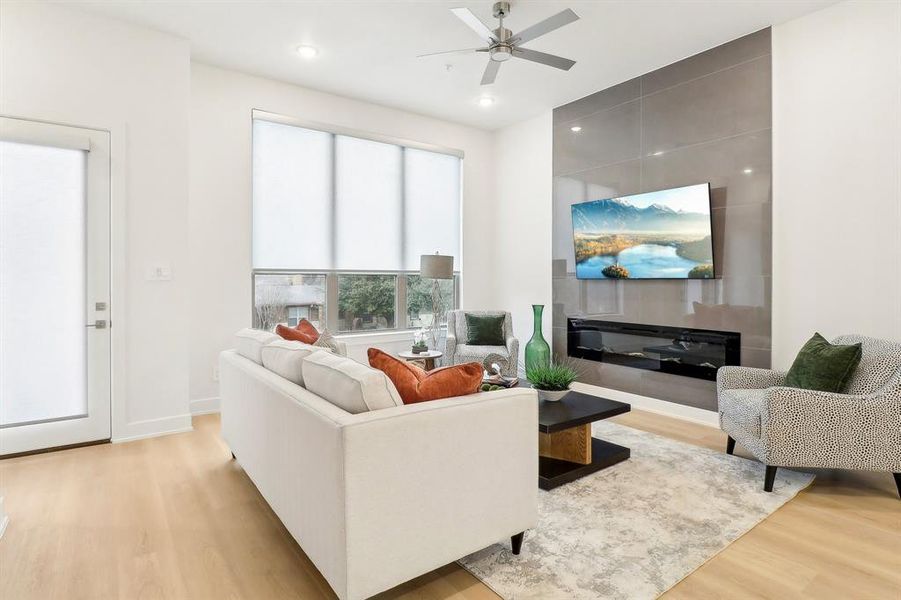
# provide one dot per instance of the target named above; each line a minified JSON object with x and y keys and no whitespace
{"x":348,"y":384}
{"x":285,"y":358}
{"x":250,"y":342}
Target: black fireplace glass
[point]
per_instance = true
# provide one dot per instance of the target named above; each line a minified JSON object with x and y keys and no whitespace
{"x":675,"y":350}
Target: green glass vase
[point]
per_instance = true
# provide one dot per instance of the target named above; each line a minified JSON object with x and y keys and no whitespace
{"x":538,"y":353}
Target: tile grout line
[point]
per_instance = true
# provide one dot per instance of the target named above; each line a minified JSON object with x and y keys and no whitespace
{"x":640,"y":93}
{"x":736,"y":65}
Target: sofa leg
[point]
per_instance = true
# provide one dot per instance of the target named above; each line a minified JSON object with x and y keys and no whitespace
{"x":516,"y":541}
{"x":730,"y":445}
{"x":897,"y":477}
{"x":769,"y":478}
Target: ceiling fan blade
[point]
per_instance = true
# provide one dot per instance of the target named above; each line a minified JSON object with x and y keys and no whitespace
{"x":452,"y":52}
{"x":490,"y":72}
{"x":551,"y":23}
{"x":550,"y":60}
{"x":473,"y":22}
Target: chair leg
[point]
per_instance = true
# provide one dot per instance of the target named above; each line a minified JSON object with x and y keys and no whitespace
{"x":769,"y":478}
{"x":730,"y":445}
{"x":897,"y":477}
{"x":233,"y":456}
{"x":516,"y":541}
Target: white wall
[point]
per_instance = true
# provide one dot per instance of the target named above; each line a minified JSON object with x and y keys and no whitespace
{"x":73,"y":68}
{"x":523,"y":204}
{"x":836,"y":175}
{"x":220,"y":198}
{"x":837,"y":184}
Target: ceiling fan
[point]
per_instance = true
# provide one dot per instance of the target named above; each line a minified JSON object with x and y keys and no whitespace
{"x":503,"y":44}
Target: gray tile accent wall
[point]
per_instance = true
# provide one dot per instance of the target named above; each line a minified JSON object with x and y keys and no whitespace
{"x":705,"y":118}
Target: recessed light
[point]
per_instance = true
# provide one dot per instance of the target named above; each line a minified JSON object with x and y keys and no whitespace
{"x":307,"y":51}
{"x":658,"y":153}
{"x":575,"y":129}
{"x":748,"y":171}
{"x":486,"y":101}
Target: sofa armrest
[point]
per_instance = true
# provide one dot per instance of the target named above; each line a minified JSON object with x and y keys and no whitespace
{"x":840,"y":431}
{"x":513,"y":348}
{"x":429,"y":483}
{"x":450,"y":348}
{"x":747,"y":378}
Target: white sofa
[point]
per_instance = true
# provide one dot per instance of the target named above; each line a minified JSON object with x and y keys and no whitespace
{"x":382,"y":496}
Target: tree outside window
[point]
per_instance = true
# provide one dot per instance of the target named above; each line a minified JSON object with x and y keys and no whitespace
{"x":366,"y":302}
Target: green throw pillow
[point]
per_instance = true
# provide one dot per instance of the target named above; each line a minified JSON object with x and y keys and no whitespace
{"x":485,"y":330}
{"x":823,"y":366}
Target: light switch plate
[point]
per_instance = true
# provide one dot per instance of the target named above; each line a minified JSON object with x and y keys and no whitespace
{"x":159,"y":272}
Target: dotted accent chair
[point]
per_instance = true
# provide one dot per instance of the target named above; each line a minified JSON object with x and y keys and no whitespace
{"x":457,"y":351}
{"x":790,"y":427}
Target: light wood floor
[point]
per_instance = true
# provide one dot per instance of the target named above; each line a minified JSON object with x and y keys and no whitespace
{"x":174,"y":517}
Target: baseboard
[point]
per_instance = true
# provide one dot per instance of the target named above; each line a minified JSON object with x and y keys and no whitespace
{"x":140,"y":430}
{"x":4,"y":519}
{"x":654,"y":405}
{"x":204,"y":406}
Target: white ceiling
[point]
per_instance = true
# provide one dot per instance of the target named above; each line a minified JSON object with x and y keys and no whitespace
{"x":368,"y":49}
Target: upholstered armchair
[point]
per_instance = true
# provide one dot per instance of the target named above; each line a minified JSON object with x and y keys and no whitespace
{"x":457,"y":351}
{"x":790,"y":427}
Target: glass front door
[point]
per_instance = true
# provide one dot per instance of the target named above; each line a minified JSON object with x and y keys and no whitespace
{"x":54,"y":285}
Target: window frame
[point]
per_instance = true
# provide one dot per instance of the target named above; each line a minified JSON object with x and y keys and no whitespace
{"x":261,"y":115}
{"x":330,"y":307}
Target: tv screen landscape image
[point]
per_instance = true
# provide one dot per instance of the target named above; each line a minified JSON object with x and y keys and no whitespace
{"x":656,"y":235}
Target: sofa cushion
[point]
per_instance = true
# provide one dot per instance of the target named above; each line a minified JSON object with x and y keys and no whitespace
{"x":416,"y":385}
{"x":348,"y":384}
{"x":824,"y":366}
{"x":285,"y":358}
{"x":249,"y":343}
{"x":743,"y":408}
{"x":468,"y":352}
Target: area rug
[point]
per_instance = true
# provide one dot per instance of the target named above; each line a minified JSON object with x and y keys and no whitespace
{"x":635,"y":529}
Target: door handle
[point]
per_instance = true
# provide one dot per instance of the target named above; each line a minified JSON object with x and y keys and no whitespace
{"x":98,"y":324}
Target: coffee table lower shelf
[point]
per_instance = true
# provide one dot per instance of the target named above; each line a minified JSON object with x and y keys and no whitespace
{"x":553,"y":472}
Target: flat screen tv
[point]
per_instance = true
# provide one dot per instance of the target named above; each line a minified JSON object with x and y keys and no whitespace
{"x":657,"y":235}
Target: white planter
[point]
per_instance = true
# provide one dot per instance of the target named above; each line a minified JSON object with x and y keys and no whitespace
{"x":549,"y":395}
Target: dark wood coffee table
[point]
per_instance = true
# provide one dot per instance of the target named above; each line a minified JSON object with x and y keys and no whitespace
{"x":566,"y":449}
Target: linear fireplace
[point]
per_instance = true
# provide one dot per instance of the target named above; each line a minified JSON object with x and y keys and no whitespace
{"x":675,"y":350}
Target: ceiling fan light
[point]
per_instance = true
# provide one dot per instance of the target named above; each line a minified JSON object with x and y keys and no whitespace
{"x":501,"y":53}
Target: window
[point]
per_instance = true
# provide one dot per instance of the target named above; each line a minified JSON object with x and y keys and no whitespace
{"x":368,"y":224}
{"x":419,"y":300}
{"x":292,"y":188}
{"x":287,"y":298}
{"x":339,"y":223}
{"x":366,"y":302}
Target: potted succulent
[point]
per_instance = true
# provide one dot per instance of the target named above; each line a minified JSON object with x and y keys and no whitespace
{"x":552,"y":380}
{"x":419,"y":343}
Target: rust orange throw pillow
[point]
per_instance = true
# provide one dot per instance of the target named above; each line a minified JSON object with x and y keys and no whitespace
{"x":304,"y":332}
{"x":415,"y":385}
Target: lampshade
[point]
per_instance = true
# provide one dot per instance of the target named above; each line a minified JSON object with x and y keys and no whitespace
{"x":436,"y":266}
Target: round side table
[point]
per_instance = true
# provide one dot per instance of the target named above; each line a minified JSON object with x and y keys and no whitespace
{"x":429,"y":357}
